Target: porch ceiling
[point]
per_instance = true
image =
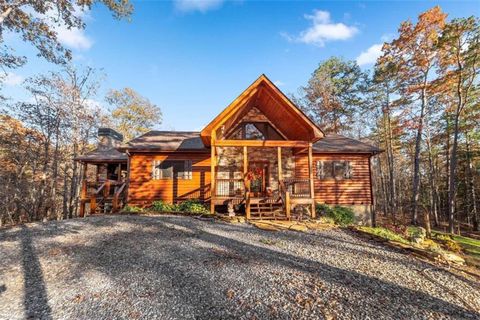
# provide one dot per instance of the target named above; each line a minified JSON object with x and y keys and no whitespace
{"x":267,"y":98}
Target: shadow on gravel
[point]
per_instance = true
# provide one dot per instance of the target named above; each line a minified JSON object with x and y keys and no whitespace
{"x":3,"y":288}
{"x":35,"y":298}
{"x":348,"y":278}
{"x":154,"y":247}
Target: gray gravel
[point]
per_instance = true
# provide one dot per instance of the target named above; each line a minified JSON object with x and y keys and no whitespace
{"x":167,"y":267}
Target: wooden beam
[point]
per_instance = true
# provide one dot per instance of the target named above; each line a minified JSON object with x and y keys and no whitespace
{"x":119,"y":177}
{"x":310,"y":173}
{"x":279,"y":155}
{"x":83,"y":193}
{"x":247,"y":184}
{"x":261,"y":143}
{"x":212,"y":177}
{"x":245,"y":162}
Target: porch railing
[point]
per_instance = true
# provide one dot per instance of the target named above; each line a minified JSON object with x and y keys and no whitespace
{"x":229,"y":188}
{"x":298,"y":188}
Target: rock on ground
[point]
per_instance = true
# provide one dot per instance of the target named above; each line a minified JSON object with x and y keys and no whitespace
{"x":168,"y":267}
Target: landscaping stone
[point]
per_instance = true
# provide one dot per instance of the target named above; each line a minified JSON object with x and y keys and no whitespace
{"x":419,"y":236}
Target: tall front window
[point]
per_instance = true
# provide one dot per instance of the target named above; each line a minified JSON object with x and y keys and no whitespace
{"x":255,"y":131}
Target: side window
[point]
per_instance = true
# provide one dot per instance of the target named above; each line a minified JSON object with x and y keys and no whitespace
{"x":334,"y":170}
{"x":169,"y":169}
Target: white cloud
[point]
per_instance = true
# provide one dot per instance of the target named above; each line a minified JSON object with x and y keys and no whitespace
{"x":370,"y":55}
{"x":12,"y":79}
{"x":197,"y":5}
{"x":323,"y":29}
{"x":73,"y":38}
{"x":278,"y":83}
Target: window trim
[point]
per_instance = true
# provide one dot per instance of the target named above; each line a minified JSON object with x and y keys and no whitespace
{"x":156,"y":173}
{"x":320,"y":170}
{"x":242,"y":126}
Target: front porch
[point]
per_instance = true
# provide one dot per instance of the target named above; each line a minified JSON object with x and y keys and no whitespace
{"x":103,"y":189}
{"x":262,"y":179}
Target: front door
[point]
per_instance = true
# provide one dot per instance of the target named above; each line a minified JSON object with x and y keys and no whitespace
{"x":258,"y":171}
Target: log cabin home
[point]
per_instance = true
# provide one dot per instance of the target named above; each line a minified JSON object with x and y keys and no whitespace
{"x":261,"y":156}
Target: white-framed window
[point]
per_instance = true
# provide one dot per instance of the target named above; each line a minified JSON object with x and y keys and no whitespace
{"x":169,"y":169}
{"x":338,"y":169}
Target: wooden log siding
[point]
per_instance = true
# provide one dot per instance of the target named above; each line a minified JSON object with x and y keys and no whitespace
{"x":144,"y":189}
{"x":353,"y":191}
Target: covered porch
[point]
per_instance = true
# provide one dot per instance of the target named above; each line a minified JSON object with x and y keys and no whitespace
{"x":260,"y":177}
{"x":254,"y":144}
{"x":103,"y":187}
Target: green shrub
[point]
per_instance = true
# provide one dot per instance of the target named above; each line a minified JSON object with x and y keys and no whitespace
{"x":194,"y":206}
{"x":340,"y":215}
{"x":161,"y":206}
{"x":384,"y":233}
{"x":132,"y":209}
{"x":322,"y":209}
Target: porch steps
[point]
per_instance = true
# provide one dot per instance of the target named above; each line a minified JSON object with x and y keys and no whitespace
{"x":267,"y":210}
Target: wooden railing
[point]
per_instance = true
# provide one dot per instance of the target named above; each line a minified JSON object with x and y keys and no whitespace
{"x":107,"y":191}
{"x":118,"y":197}
{"x":95,"y":195}
{"x":285,"y":196}
{"x":229,"y":188}
{"x":298,"y":188}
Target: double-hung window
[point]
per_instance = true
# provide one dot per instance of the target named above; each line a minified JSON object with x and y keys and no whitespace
{"x":334,"y":170}
{"x":169,"y":169}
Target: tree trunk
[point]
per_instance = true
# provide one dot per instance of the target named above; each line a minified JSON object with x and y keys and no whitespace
{"x":471,"y":184}
{"x":431,"y":173}
{"x":452,"y":190}
{"x":416,"y":165}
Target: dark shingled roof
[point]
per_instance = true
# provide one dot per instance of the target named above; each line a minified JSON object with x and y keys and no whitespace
{"x":167,"y":141}
{"x":99,"y":155}
{"x":190,"y":141}
{"x":336,"y":143}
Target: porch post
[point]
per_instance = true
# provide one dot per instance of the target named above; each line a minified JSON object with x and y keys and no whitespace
{"x":310,"y":173}
{"x":83,"y":192}
{"x":247,"y":186}
{"x":212,"y":177}
{"x":280,"y":173}
{"x":119,"y":177}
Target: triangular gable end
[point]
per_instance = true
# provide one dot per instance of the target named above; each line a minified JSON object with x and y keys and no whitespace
{"x":265,"y":96}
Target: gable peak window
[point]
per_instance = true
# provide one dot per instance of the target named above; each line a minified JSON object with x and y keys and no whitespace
{"x":255,"y":131}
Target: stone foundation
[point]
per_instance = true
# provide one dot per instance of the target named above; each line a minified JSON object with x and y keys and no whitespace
{"x":363,"y":213}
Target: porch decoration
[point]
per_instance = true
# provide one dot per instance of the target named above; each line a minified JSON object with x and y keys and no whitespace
{"x":254,"y":174}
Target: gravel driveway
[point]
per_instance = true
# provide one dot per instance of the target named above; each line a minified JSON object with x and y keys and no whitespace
{"x":167,"y":267}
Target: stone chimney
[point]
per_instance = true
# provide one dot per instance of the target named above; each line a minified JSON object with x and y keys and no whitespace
{"x":108,"y":138}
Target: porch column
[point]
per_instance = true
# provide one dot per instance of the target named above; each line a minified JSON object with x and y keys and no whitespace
{"x":83,"y":192}
{"x":247,"y":185}
{"x":119,"y":176}
{"x":279,"y":154}
{"x":310,"y":173}
{"x":212,"y":177}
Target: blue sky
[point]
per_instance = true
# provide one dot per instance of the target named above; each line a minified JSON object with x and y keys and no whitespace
{"x":193,"y":58}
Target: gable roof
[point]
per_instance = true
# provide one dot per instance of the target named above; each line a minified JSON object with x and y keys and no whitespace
{"x":166,"y":141}
{"x":163,"y":141}
{"x":265,"y":96}
{"x":336,"y":143}
{"x":103,"y":155}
